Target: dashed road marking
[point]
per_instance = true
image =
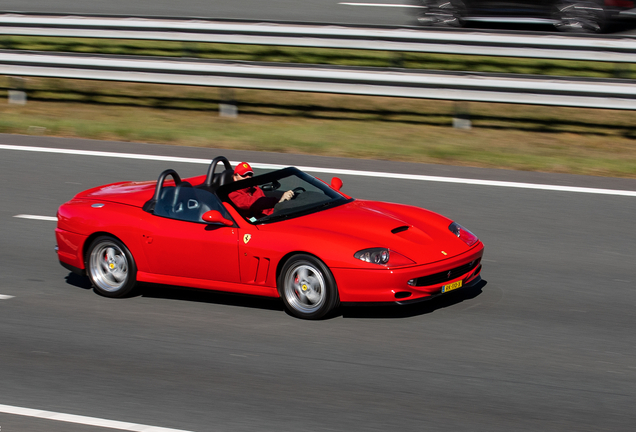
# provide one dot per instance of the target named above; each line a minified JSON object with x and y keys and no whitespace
{"x":5,"y":297}
{"x":380,"y":5}
{"x":89,"y":421}
{"x":36,"y":217}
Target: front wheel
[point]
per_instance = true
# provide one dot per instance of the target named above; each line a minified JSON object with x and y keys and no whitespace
{"x":307,"y":287}
{"x":111,"y":267}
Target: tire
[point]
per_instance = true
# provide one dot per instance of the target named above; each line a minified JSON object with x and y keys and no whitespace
{"x":307,"y":287}
{"x":442,"y":13}
{"x":111,"y":267}
{"x":579,"y":17}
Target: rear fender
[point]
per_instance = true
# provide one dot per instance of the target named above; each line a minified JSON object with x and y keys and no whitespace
{"x":91,"y":218}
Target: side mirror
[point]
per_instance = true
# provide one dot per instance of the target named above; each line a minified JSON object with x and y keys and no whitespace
{"x":268,"y":187}
{"x":214,"y":216}
{"x":336,"y":183}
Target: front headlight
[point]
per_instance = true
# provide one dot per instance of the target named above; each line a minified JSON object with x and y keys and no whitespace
{"x":383,"y":256}
{"x":374,"y":255}
{"x":463,"y":234}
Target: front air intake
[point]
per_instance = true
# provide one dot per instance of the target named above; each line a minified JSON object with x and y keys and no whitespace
{"x":445,"y":276}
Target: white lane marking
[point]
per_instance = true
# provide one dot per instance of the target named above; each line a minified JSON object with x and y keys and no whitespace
{"x":467,"y":181}
{"x":477,"y":182}
{"x":380,"y":5}
{"x":5,"y":297}
{"x":89,"y":421}
{"x":36,"y":217}
{"x":104,"y":154}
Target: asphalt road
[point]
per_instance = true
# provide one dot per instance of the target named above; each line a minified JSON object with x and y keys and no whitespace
{"x":325,"y":11}
{"x":546,"y":344}
{"x":363,"y":12}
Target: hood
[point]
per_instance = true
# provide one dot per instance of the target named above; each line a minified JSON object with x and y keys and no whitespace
{"x":420,"y":235}
{"x":130,"y":193}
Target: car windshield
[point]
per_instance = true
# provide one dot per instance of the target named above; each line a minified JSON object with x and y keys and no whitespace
{"x":257,"y":198}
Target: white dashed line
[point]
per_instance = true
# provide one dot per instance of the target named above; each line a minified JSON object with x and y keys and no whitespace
{"x":380,"y":5}
{"x":476,"y":182}
{"x":89,"y":421}
{"x":5,"y":297}
{"x":36,"y":217}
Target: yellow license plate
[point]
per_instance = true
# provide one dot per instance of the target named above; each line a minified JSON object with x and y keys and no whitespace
{"x":450,"y":287}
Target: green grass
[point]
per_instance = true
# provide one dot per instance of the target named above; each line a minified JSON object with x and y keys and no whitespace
{"x":589,"y":142}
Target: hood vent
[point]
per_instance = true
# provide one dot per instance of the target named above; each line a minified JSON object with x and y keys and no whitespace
{"x":400,"y":229}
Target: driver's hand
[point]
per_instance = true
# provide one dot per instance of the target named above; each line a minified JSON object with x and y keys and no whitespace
{"x":287,"y":196}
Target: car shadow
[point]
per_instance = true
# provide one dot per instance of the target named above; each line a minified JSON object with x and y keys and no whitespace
{"x":415,"y":309}
{"x":170,"y":292}
{"x":78,"y":281}
{"x":359,"y":311}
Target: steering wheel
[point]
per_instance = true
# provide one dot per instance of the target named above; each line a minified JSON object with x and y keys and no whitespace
{"x":297,"y":191}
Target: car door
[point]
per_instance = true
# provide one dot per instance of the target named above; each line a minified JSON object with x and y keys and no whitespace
{"x":191,"y":249}
{"x":178,"y":243}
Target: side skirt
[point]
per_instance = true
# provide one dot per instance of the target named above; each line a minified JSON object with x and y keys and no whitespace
{"x":239,"y":288}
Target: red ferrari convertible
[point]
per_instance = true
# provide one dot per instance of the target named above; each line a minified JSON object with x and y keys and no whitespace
{"x":314,"y":251}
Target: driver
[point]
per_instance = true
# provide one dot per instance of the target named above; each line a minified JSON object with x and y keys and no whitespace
{"x":252,"y":201}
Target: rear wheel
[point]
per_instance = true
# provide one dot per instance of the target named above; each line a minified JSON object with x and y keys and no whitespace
{"x":307,"y":287}
{"x":579,"y":17}
{"x":448,"y":13}
{"x":111,"y":267}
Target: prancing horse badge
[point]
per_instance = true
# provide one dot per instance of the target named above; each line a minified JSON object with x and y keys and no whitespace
{"x":247,"y":238}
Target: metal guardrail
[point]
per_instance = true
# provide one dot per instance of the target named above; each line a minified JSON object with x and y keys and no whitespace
{"x":606,"y":49}
{"x":588,"y":93}
{"x":457,"y":86}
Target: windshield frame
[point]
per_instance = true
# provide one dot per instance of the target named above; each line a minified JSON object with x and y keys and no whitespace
{"x":337,"y":198}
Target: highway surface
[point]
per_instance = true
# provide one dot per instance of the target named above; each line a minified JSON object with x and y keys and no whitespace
{"x":393,"y":12}
{"x":365,"y":12}
{"x":545,"y":344}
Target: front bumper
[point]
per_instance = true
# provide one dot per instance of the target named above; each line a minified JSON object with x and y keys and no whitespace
{"x":472,"y":283}
{"x":391,"y":285}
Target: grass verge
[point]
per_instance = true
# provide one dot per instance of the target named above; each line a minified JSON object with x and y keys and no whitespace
{"x":564,"y":140}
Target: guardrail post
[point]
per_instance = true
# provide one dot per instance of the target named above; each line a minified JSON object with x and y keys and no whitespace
{"x":227,"y":104}
{"x":461,"y":116}
{"x":17,"y":95}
